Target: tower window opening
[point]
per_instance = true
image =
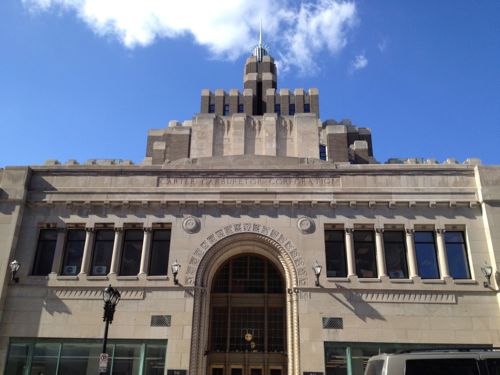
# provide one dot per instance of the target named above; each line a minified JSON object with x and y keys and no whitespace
{"x":240,"y":108}
{"x":226,"y":110}
{"x":277,"y":109}
{"x":211,"y":108}
{"x":322,"y":152}
{"x":292,"y":109}
{"x":307,"y":108}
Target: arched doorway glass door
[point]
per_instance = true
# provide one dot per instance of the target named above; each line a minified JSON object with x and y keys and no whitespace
{"x":247,"y":319}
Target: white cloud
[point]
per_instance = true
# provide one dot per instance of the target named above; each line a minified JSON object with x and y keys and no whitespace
{"x":359,"y":62}
{"x":228,"y":28}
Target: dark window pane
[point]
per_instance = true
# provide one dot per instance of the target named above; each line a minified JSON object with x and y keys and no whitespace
{"x":211,"y":108}
{"x":336,"y":265}
{"x":455,"y":236}
{"x":247,"y":320}
{"x":427,"y":236}
{"x":127,"y":359}
{"x":45,"y":359}
{"x":277,"y":109}
{"x":322,"y":152}
{"x":240,"y":108}
{"x":455,"y":366}
{"x":276,"y":334}
{"x":307,"y":108}
{"x":457,"y":255}
{"x":364,"y":253}
{"x":45,"y":252}
{"x":131,"y":252}
{"x":395,"y":254}
{"x":18,"y":359}
{"x":103,"y":251}
{"x":425,"y":250}
{"x":73,"y":252}
{"x":292,"y":109}
{"x":218,"y":329}
{"x":226,"y":110}
{"x":155,"y":359}
{"x":160,"y":248}
{"x":80,"y":358}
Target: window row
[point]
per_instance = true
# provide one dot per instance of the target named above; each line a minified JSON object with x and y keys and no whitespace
{"x":396,"y":254}
{"x":99,"y":252}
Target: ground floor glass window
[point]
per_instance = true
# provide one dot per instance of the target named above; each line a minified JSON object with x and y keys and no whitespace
{"x":81,"y":357}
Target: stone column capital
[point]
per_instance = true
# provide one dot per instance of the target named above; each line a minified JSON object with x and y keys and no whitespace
{"x":440,"y":230}
{"x":410,"y":231}
{"x":379,"y":230}
{"x":147,"y":229}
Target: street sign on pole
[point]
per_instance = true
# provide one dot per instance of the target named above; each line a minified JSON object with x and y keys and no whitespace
{"x":103,"y":362}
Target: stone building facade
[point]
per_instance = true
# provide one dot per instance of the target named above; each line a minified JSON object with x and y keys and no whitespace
{"x":247,"y":197}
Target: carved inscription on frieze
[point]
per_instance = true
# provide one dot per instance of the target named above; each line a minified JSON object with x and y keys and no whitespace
{"x":254,"y":182}
{"x":260,"y":229}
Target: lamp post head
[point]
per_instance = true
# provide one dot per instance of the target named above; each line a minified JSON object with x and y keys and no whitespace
{"x":111,"y":296}
{"x":487,"y":271}
{"x":175,"y":271}
{"x":14,"y":267}
{"x":317,"y":271}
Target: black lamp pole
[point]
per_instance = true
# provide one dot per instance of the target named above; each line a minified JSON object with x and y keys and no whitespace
{"x":111,"y":298}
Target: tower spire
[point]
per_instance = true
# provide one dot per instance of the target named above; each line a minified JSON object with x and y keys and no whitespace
{"x":260,"y":33}
{"x":260,"y":50}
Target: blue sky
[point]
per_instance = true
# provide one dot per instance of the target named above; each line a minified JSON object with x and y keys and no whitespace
{"x":86,"y":79}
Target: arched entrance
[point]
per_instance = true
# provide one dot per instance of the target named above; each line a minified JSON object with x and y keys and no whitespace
{"x":247,"y":334}
{"x":207,"y":266}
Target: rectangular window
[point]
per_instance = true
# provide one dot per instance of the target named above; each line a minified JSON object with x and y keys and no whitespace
{"x":226,"y":110}
{"x":291,"y":110}
{"x":277,"y":109}
{"x":425,"y":249}
{"x":81,"y":357}
{"x":336,"y":265}
{"x":211,"y":108}
{"x":160,"y":248}
{"x":395,"y":254}
{"x":131,"y":252}
{"x":73,"y":252}
{"x":307,"y":108}
{"x":456,"y":252}
{"x":103,"y":251}
{"x":364,"y":254}
{"x":240,"y":108}
{"x":322,"y":152}
{"x":45,"y":250}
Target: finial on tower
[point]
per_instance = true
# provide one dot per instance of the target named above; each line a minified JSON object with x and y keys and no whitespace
{"x":260,"y":50}
{"x":260,"y":33}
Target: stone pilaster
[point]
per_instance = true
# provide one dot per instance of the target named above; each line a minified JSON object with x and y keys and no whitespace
{"x":146,"y":249}
{"x":411,"y":254}
{"x":117,"y":250}
{"x":349,"y":247}
{"x":442,"y":257}
{"x":87,"y":250}
{"x":380,"y":253}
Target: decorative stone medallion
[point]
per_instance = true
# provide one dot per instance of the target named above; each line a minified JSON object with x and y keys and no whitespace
{"x":305,"y":225}
{"x":191,"y":224}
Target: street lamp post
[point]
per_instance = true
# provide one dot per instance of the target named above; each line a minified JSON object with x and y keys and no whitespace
{"x":111,"y":298}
